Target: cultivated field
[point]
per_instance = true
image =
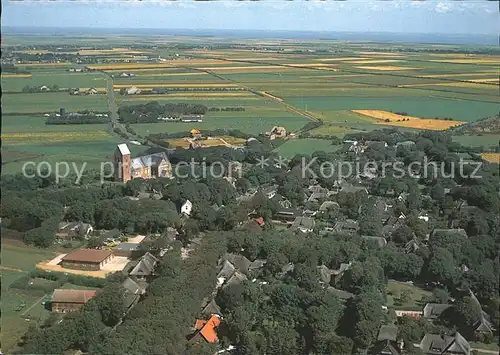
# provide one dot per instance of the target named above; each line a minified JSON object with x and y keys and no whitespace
{"x":288,"y":84}
{"x":393,"y":119}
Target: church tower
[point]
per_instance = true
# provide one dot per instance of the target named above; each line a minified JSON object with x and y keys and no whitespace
{"x":122,"y":163}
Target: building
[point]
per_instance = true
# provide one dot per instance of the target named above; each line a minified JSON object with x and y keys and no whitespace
{"x":145,"y":167}
{"x":87,"y":259}
{"x":433,"y":311}
{"x":304,"y":224}
{"x":70,"y":300}
{"x":436,"y":344}
{"x":186,"y":208}
{"x":133,"y":91}
{"x":129,"y":250}
{"x":207,"y":329}
{"x":276,"y":132}
{"x":412,"y":314}
{"x":387,"y":343}
{"x":69,"y":230}
{"x":145,"y":267}
{"x":195,"y":133}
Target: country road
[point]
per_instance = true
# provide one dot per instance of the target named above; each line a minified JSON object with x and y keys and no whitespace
{"x":115,"y":119}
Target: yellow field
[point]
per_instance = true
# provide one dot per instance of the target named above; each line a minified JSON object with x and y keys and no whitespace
{"x":444,"y":75}
{"x":469,"y":61}
{"x":246,"y":68}
{"x":199,"y":94}
{"x":469,"y":84}
{"x":491,"y":157}
{"x":411,"y":121}
{"x":374,"y":61}
{"x":342,"y":59}
{"x":110,"y":51}
{"x":489,"y":80}
{"x":8,"y":75}
{"x":330,"y":76}
{"x":16,"y":138}
{"x":119,"y":66}
{"x":173,"y":74}
{"x":382,"y":54}
{"x":387,"y":68}
{"x":179,"y":85}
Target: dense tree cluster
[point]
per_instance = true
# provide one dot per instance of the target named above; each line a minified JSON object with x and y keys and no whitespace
{"x":147,"y":113}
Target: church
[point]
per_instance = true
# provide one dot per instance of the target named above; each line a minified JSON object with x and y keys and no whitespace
{"x":145,"y":167}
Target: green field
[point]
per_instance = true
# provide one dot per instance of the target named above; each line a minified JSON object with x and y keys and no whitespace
{"x":16,"y":262}
{"x":51,"y":102}
{"x":61,"y":79}
{"x":328,"y":85}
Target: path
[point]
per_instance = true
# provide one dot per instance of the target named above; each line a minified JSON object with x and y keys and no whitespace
{"x":115,"y":119}
{"x":6,"y":268}
{"x":264,"y":95}
{"x":485,"y":351}
{"x":33,"y":305}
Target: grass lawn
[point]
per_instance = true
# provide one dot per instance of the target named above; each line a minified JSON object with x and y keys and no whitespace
{"x":305,"y":146}
{"x":415,"y":293}
{"x":16,"y":261}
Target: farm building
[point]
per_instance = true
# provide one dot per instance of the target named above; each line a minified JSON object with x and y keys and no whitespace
{"x":70,"y":300}
{"x":86,"y":259}
{"x":276,"y":132}
{"x":195,"y":133}
{"x":145,"y":167}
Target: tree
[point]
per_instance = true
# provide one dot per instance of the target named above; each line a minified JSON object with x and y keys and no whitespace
{"x":442,"y":267}
{"x":111,"y":304}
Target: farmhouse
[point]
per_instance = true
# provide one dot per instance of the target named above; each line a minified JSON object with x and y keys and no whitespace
{"x":145,"y":167}
{"x":276,"y":132}
{"x":70,"y":300}
{"x":73,"y":229}
{"x":86,"y":259}
{"x":133,"y":91}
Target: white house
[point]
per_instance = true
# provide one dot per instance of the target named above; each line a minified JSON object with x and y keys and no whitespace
{"x":186,"y":208}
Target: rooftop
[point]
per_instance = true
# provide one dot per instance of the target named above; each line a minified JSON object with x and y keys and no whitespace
{"x":123,"y":148}
{"x":87,"y":255}
{"x":72,"y":296}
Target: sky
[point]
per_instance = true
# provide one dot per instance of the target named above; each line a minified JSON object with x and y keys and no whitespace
{"x":398,"y":16}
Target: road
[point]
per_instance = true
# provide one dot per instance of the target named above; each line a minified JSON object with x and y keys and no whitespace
{"x":115,"y":119}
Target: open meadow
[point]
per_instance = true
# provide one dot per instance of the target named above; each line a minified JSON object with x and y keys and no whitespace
{"x":289,"y":84}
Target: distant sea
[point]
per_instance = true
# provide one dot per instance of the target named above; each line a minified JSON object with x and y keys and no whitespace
{"x":427,"y":38}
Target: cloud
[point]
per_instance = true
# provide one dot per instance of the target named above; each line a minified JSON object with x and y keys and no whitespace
{"x":443,"y":7}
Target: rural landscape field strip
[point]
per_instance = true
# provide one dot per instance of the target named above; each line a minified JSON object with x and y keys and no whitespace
{"x":392,"y":119}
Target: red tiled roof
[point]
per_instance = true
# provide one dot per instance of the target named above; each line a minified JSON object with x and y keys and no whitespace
{"x":87,"y":255}
{"x":260,"y":221}
{"x":72,"y":296}
{"x":208,"y":328}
